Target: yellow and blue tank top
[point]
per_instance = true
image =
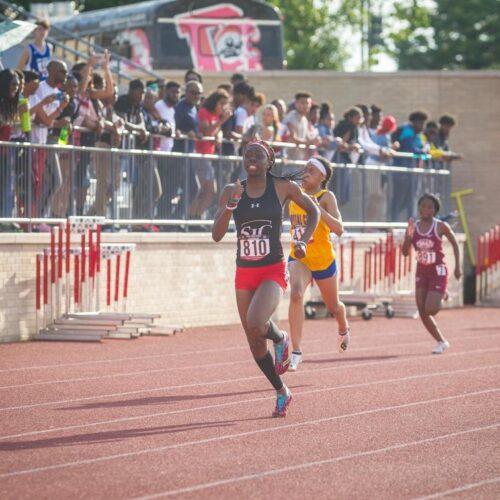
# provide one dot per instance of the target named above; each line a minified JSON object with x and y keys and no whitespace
{"x":320,"y":253}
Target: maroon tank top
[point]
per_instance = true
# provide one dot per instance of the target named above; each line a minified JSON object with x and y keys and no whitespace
{"x":428,"y":246}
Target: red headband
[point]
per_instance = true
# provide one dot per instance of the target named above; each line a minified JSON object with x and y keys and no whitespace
{"x":265,"y":146}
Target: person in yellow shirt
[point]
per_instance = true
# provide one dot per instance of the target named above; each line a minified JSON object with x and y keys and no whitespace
{"x":319,"y":263}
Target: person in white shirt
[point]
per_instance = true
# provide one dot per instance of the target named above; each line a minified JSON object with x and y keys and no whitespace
{"x":166,"y":110}
{"x":47,"y":169}
{"x":298,"y":126}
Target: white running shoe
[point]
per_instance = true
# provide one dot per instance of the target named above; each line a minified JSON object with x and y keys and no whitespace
{"x":441,"y":347}
{"x":343,"y":340}
{"x":294,"y":362}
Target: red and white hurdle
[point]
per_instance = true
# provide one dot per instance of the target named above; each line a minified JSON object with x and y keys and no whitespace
{"x":488,"y":264}
{"x":77,"y":290}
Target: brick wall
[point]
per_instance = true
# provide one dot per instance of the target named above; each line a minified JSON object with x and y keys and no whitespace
{"x":186,"y":278}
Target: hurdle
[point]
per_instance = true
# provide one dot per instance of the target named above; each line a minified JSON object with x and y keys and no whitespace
{"x":77,"y":289}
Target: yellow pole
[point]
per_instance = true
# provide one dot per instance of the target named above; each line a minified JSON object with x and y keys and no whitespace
{"x":457,"y":196}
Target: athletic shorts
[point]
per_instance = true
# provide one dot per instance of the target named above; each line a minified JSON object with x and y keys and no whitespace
{"x":249,"y":278}
{"x":433,"y":279}
{"x":323,"y":274}
{"x":204,"y":170}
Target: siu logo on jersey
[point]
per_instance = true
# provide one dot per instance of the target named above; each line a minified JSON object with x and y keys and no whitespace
{"x":217,"y":45}
{"x":424,"y":244}
{"x":255,"y":239}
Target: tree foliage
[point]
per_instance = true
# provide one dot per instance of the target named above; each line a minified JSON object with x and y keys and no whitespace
{"x":309,"y":33}
{"x":453,"y":35}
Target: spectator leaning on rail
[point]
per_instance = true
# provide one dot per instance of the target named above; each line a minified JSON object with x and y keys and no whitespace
{"x":37,"y":55}
{"x":299,"y":128}
{"x":186,"y":119}
{"x":67,"y":119}
{"x":10,"y":87}
{"x":46,"y":163}
{"x":325,"y":127}
{"x":156,"y":126}
{"x":92,"y":90}
{"x":374,"y":154}
{"x":166,"y":110}
{"x":213,"y":113}
{"x":347,"y":151}
{"x":441,"y":154}
{"x":404,"y":188}
{"x":107,"y":165}
{"x":129,"y":108}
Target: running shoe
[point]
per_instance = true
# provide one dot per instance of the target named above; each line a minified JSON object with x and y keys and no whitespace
{"x":282,"y":402}
{"x":343,"y":340}
{"x":282,"y":355}
{"x":441,"y":347}
{"x":295,"y":361}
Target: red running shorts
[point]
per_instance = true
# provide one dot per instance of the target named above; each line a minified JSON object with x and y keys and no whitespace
{"x":249,"y":278}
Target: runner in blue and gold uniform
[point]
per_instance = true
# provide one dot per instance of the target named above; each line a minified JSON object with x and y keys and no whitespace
{"x":319,"y":262}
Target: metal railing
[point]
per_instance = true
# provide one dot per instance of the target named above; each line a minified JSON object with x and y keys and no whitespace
{"x":133,"y":187}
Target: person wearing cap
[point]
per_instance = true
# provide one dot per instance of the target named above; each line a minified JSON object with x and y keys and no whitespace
{"x":36,"y":56}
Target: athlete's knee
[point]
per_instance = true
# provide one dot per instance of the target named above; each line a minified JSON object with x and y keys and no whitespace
{"x":335,"y":308}
{"x":296,"y":295}
{"x":256,"y":328}
{"x":431,"y":310}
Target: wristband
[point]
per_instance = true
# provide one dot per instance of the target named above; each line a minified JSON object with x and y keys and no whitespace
{"x":300,"y":242}
{"x":231,"y":207}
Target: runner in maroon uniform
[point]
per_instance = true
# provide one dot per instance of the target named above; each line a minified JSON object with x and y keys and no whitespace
{"x":260,"y":265}
{"x":432,"y":272}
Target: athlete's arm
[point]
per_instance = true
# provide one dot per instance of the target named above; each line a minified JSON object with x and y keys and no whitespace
{"x":330,"y":214}
{"x":445,"y":229}
{"x":295,"y":194}
{"x":229,"y":198}
{"x":24,"y":59}
{"x":405,"y":250}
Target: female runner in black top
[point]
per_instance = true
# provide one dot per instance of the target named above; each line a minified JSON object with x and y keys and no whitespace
{"x":257,"y":207}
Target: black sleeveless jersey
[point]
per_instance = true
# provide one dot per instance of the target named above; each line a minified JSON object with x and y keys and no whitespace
{"x":258,"y":225}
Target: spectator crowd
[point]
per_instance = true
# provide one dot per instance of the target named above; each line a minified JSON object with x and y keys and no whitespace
{"x":43,"y":101}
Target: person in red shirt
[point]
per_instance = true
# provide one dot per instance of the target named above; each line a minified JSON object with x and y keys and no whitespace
{"x":432,"y":272}
{"x":214,"y":112}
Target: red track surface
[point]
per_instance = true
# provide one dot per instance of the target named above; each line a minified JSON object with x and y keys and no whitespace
{"x":189,"y":416}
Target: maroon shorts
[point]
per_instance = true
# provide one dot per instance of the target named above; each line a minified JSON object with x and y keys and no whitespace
{"x":432,"y":278}
{"x":249,"y":278}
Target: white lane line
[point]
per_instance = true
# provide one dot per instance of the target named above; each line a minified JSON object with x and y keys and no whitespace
{"x":317,"y":463}
{"x":226,"y":437}
{"x":362,"y":335}
{"x":247,"y":360}
{"x":242,"y":379}
{"x":240,"y":402}
{"x":465,"y":487}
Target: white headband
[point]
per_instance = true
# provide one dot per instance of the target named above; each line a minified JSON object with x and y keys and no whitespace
{"x":316,"y":163}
